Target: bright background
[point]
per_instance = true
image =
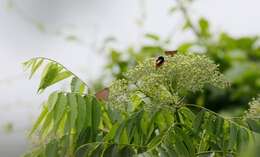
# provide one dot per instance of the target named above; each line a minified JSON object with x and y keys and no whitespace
{"x":72,"y":31}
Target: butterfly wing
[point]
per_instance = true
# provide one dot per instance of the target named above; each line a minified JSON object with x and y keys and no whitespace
{"x":171,"y":53}
{"x":103,"y":94}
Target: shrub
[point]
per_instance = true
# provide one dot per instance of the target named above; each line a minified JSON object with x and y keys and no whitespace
{"x":146,"y":113}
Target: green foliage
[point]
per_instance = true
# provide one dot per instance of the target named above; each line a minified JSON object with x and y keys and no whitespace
{"x":169,"y":83}
{"x":238,"y":59}
{"x":52,"y":73}
{"x":146,"y":115}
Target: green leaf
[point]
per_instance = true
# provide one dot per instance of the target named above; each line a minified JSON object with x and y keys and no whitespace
{"x":51,"y":149}
{"x":89,"y":106}
{"x":232,"y":136}
{"x":204,"y":27}
{"x":163,"y":152}
{"x":49,"y":74}
{"x":77,"y":86}
{"x":155,"y":141}
{"x":50,"y":105}
{"x":152,"y":36}
{"x":187,"y":114}
{"x":242,"y":138}
{"x":145,"y":123}
{"x":186,"y":141}
{"x":198,"y":122}
{"x":112,"y":132}
{"x":59,"y":110}
{"x":119,"y":132}
{"x":52,"y":74}
{"x":184,"y":47}
{"x":29,"y":63}
{"x":46,"y":125}
{"x":173,"y":9}
{"x":98,"y":151}
{"x":86,"y":150}
{"x":96,"y":115}
{"x":80,"y":123}
{"x":52,"y":100}
{"x":219,"y":125}
{"x":181,"y":148}
{"x":72,"y":100}
{"x":186,"y":25}
{"x":254,"y":125}
{"x":151,"y":50}
{"x":127,"y":152}
{"x":40,"y":119}
{"x":111,"y":150}
{"x":61,"y":76}
{"x":35,"y":66}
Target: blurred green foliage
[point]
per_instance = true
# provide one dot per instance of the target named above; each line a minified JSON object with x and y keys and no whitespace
{"x":238,"y":59}
{"x":8,"y":127}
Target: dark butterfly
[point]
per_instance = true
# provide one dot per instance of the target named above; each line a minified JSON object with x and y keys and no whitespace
{"x":103,"y":94}
{"x":159,"y":61}
{"x":171,"y":53}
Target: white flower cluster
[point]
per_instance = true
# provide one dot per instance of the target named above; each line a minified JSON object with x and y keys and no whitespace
{"x":254,"y":108}
{"x":169,"y":82}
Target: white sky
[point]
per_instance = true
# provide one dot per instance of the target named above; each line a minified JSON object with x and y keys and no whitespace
{"x":91,"y":21}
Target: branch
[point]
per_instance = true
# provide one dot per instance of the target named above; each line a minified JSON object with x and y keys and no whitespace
{"x":186,"y":16}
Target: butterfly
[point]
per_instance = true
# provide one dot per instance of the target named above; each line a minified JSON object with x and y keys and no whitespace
{"x":103,"y":94}
{"x":159,"y":61}
{"x":171,"y":53}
